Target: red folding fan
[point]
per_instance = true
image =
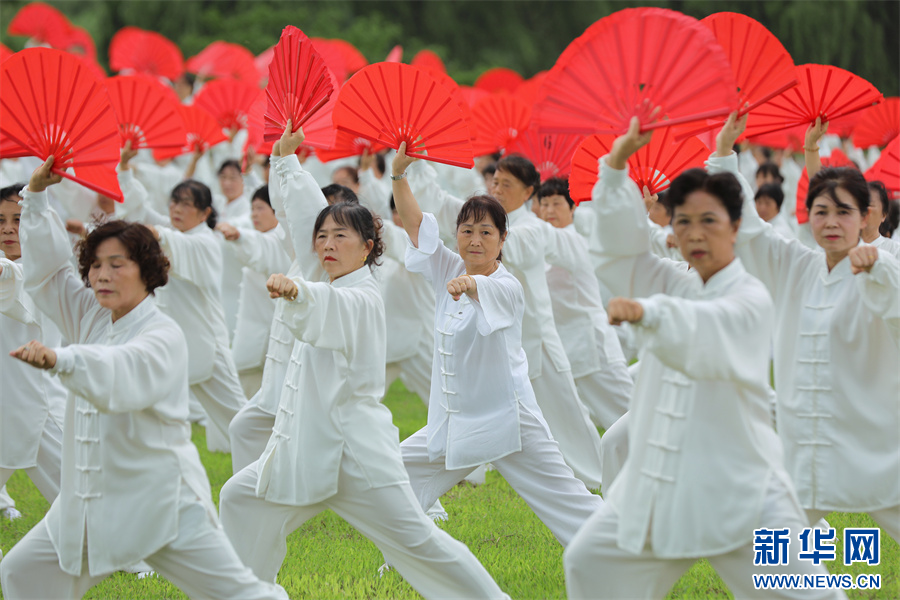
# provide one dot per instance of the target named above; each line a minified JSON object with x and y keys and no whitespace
{"x":630,"y":62}
{"x":262,"y":62}
{"x":41,"y":22}
{"x":762,"y":68}
{"x":654,"y":166}
{"x":141,"y":51}
{"x":395,"y":55}
{"x":256,"y":123}
{"x":222,"y":59}
{"x":887,"y":168}
{"x":527,"y":92}
{"x":146,"y":112}
{"x":341,"y":57}
{"x":5,"y":52}
{"x":473,"y":96}
{"x":429,"y":61}
{"x":837,"y":159}
{"x":497,"y":120}
{"x":203,"y":131}
{"x":878,"y":125}
{"x":228,"y":101}
{"x":53,"y":105}
{"x":347,"y":144}
{"x":551,"y":153}
{"x":824,"y":91}
{"x":79,"y":41}
{"x":499,"y":79}
{"x":299,"y":83}
{"x":391,"y":103}
{"x":456,"y":91}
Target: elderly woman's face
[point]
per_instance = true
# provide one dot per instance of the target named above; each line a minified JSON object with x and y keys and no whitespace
{"x":116,"y":279}
{"x":705,"y":233}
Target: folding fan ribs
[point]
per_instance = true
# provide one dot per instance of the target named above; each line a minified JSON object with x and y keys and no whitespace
{"x":347,"y":144}
{"x":147,"y":115}
{"x":551,"y":153}
{"x":836,"y":159}
{"x":824,"y":91}
{"x":299,"y":83}
{"x":654,"y":166}
{"x":145,"y":52}
{"x":203,"y":131}
{"x":628,"y":64}
{"x":228,"y":101}
{"x":762,"y":68}
{"x":498,"y":119}
{"x":41,"y":22}
{"x":391,"y":103}
{"x":887,"y":168}
{"x":54,"y":105}
{"x":878,"y":125}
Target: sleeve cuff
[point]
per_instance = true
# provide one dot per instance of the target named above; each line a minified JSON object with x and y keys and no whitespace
{"x":722,"y":164}
{"x":650,"y":320}
{"x":65,"y":361}
{"x":7,"y":272}
{"x":37,"y":201}
{"x":612,"y":177}
{"x":287,"y":166}
{"x":429,"y":235}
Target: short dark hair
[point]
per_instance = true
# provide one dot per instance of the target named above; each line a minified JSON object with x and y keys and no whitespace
{"x":199,"y":196}
{"x":773,"y":191}
{"x":723,"y":186}
{"x":380,"y":164}
{"x":770,"y":168}
{"x":141,"y":245}
{"x":491,"y":168}
{"x":262,"y":193}
{"x":662,"y":198}
{"x":229,"y":163}
{"x":555,"y":186}
{"x":477,"y":208}
{"x":828,"y":179}
{"x":890,"y":224}
{"x":359,"y":218}
{"x":336,"y":192}
{"x":11,"y":192}
{"x":878,"y":187}
{"x":521,"y":168}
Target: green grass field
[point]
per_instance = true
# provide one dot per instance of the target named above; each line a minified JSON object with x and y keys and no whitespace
{"x":329,"y":559}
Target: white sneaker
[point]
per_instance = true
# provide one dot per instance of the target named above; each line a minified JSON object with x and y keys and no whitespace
{"x":11,"y":513}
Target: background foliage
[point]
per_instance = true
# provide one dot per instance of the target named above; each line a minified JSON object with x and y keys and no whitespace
{"x":471,"y":36}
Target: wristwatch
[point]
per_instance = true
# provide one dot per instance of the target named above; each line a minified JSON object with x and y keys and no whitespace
{"x":399,"y":177}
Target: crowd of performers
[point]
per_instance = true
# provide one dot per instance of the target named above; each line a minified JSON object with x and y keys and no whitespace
{"x":309,"y":288}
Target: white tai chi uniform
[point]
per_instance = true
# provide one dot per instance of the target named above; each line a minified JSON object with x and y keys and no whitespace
{"x":888,"y":245}
{"x":33,"y":402}
{"x":260,"y":254}
{"x":334,"y":445}
{"x":529,"y":246}
{"x":482,"y":408}
{"x":193,"y":298}
{"x":704,"y":466}
{"x":837,"y":347}
{"x":591,"y":343}
{"x":132,"y":483}
{"x":237,"y":214}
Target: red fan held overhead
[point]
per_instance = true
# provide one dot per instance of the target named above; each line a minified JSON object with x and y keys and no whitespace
{"x":53,"y":105}
{"x":499,"y":79}
{"x":837,"y":159}
{"x":551,"y":153}
{"x":498,"y":120}
{"x":203,"y":131}
{"x":528,"y":91}
{"x":147,"y":114}
{"x":391,"y":103}
{"x":41,"y":22}
{"x":224,"y":60}
{"x":887,"y":168}
{"x":341,"y":57}
{"x":347,"y":144}
{"x":228,"y":101}
{"x":147,"y":52}
{"x":262,"y":63}
{"x":79,"y":41}
{"x":627,"y":64}
{"x":762,"y":68}
{"x":824,"y":91}
{"x":429,"y":61}
{"x":878,"y":125}
{"x":299,"y":83}
{"x":654,"y":166}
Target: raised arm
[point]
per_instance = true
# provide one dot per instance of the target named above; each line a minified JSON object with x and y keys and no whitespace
{"x":814,"y":133}
{"x":434,"y":199}
{"x":404,"y":200}
{"x":14,"y":302}
{"x":135,"y":206}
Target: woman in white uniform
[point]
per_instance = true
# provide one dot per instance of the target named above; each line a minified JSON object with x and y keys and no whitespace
{"x":132,"y":483}
{"x":33,"y":402}
{"x":334,"y":445}
{"x":482,"y":407}
{"x":193,"y":295}
{"x":837,"y":345}
{"x":704,"y":467}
